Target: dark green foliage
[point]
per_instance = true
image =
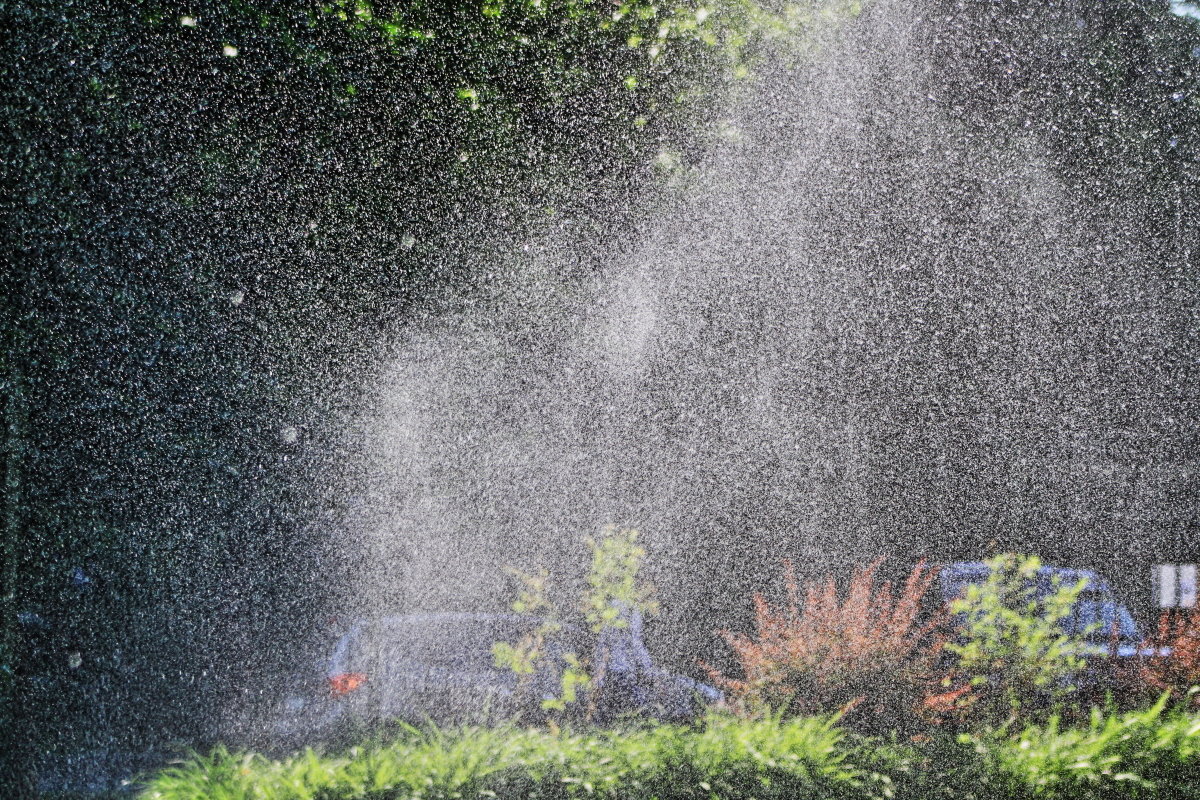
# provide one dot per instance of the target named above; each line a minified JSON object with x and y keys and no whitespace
{"x":1146,"y":753}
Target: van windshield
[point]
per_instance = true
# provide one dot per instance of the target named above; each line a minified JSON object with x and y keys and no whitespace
{"x":1100,"y":619}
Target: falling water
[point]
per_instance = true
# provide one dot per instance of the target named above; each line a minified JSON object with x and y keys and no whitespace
{"x":875,"y":322}
{"x":907,"y":306}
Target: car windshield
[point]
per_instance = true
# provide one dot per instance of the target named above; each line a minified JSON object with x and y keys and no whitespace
{"x":447,"y":640}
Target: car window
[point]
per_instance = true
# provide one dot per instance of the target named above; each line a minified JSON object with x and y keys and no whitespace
{"x":348,"y":652}
{"x":1103,"y":617}
{"x":1095,"y":609}
{"x":461,"y":644}
{"x":450,"y":642}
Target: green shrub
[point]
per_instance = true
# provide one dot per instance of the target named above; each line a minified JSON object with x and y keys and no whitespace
{"x":725,"y":758}
{"x":1013,"y":649}
{"x":1151,"y":753}
{"x":1135,"y":754}
{"x":614,"y":592}
{"x":525,"y":657}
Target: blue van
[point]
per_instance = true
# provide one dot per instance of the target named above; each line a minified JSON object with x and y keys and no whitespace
{"x":1099,"y":615}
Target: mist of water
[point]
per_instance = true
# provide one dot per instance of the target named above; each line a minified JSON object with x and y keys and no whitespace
{"x":874,"y":324}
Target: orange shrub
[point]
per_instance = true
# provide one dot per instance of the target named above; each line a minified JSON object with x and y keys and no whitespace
{"x":867,"y":653}
{"x":1179,"y":671}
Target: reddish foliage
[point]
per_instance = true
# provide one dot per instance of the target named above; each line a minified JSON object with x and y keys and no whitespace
{"x":950,"y":706}
{"x":1180,"y":670}
{"x":345,"y":683}
{"x":867,"y":653}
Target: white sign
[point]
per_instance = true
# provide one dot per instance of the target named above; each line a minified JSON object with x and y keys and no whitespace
{"x":1174,"y":585}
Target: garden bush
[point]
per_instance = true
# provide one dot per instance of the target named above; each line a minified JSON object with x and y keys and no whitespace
{"x":615,"y":597}
{"x":1178,"y":672}
{"x":725,"y":758}
{"x":1012,"y":648}
{"x":1149,"y":753}
{"x":1133,"y":754}
{"x":868,"y":654}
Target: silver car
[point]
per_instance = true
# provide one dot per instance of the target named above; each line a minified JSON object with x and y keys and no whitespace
{"x":439,"y":667}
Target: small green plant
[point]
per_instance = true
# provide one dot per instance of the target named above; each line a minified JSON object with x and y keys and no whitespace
{"x":1014,"y":649}
{"x":614,"y":590}
{"x":614,"y":595}
{"x":525,"y":657}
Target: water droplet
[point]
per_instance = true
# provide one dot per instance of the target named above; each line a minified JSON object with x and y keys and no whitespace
{"x":229,"y":50}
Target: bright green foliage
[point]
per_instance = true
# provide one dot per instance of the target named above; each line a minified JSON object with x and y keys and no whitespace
{"x":724,"y":759}
{"x":572,"y":680}
{"x":613,"y":591}
{"x":522,"y":658}
{"x":518,"y":658}
{"x":1142,"y":753}
{"x":1014,"y":648}
{"x":613,"y":587}
{"x":614,"y":594}
{"x":1152,"y":753}
{"x":532,"y":598}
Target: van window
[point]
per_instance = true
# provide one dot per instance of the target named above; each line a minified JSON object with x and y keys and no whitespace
{"x":1103,"y":617}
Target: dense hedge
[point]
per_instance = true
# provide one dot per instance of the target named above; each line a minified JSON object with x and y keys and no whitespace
{"x":1146,"y":753}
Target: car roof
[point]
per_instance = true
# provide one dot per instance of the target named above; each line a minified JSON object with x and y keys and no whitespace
{"x":480,"y":619}
{"x":449,"y":616}
{"x":425,"y":627}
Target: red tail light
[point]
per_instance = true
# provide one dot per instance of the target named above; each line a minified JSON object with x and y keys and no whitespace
{"x":343,"y":684}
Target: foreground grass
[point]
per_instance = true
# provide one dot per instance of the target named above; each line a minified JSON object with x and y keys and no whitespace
{"x":1144,"y":754}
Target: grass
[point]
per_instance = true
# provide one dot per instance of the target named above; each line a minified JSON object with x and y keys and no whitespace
{"x":1136,"y":754}
{"x":1149,"y":753}
{"x":807,"y":757}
